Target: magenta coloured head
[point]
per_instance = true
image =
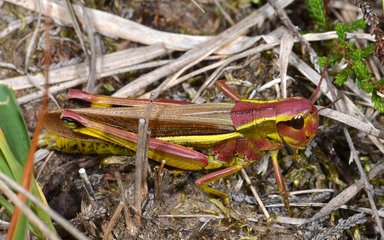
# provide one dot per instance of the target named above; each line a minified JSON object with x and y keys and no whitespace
{"x":297,"y":122}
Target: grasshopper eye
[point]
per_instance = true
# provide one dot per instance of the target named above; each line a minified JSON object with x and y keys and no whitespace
{"x":297,"y":122}
{"x":71,"y":123}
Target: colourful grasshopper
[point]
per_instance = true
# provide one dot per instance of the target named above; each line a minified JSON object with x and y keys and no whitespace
{"x":237,"y":134}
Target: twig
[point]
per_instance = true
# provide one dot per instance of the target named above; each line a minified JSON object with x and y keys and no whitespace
{"x":90,"y":58}
{"x":351,"y":121}
{"x":127,"y":215}
{"x":158,"y":183}
{"x":229,"y":60}
{"x":44,"y":164}
{"x":285,"y":51}
{"x":117,"y":27}
{"x":79,"y":34}
{"x":225,"y":14}
{"x":346,"y":195}
{"x":15,"y":25}
{"x":309,"y":191}
{"x":114,"y":64}
{"x":286,"y":220}
{"x":107,"y":65}
{"x":140,"y":152}
{"x":342,"y":225}
{"x":73,"y":83}
{"x":293,"y":30}
{"x":367,"y":186}
{"x":196,"y":54}
{"x":254,"y":192}
{"x":11,"y":66}
{"x":88,"y":187}
{"x":317,"y":204}
{"x":113,"y":220}
{"x":191,"y":216}
{"x":90,"y":87}
{"x":29,"y":50}
{"x":198,"y":5}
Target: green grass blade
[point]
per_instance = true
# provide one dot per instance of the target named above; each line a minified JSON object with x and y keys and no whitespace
{"x":12,"y":158}
{"x":13,"y":124}
{"x":7,"y":157}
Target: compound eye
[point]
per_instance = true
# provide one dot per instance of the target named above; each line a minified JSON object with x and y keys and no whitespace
{"x":297,"y":122}
{"x":71,"y":123}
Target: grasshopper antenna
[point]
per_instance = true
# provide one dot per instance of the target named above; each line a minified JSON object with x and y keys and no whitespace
{"x":329,"y":105}
{"x":318,"y":88}
{"x":316,"y":93}
{"x":227,"y":90}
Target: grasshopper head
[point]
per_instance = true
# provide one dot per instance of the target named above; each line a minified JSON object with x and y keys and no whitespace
{"x":298,"y":121}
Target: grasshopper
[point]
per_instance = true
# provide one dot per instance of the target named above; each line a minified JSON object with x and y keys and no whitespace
{"x":236,"y":134}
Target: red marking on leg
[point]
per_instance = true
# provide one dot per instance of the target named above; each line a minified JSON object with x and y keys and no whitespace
{"x":279,"y":176}
{"x":206,"y":179}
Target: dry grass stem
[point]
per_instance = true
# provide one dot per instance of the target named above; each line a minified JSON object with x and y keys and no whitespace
{"x":347,"y":194}
{"x":198,"y":6}
{"x":196,"y":55}
{"x":112,"y":222}
{"x":367,"y":186}
{"x":91,"y":81}
{"x":351,"y":121}
{"x":294,"y":32}
{"x":41,"y":167}
{"x":127,"y":216}
{"x":254,"y":192}
{"x":110,"y":64}
{"x":220,"y":65}
{"x":79,"y":33}
{"x":225,"y":14}
{"x":309,"y":191}
{"x":140,"y":154}
{"x":285,"y":51}
{"x":117,"y":27}
{"x":88,"y":188}
{"x":107,"y":65}
{"x":16,"y":25}
{"x":73,"y":83}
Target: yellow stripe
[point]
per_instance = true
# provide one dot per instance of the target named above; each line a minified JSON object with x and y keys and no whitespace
{"x":201,"y":140}
{"x":254,"y":123}
{"x":260,"y":101}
